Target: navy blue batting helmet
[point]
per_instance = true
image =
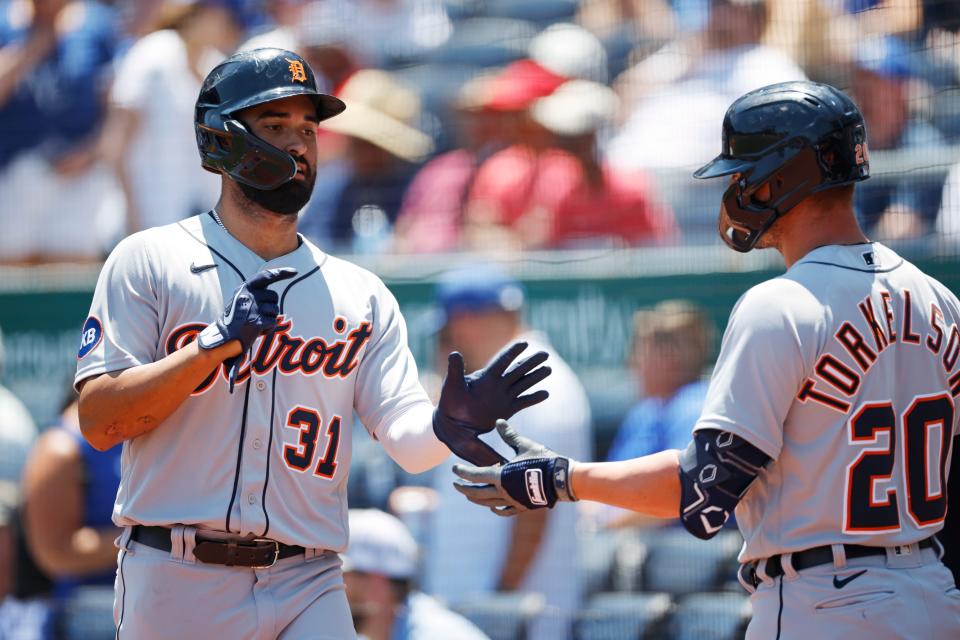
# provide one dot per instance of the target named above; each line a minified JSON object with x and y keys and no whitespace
{"x":801,"y":137}
{"x":243,"y":80}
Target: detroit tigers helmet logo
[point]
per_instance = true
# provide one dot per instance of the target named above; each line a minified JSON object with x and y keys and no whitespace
{"x":297,"y":72}
{"x":90,"y":337}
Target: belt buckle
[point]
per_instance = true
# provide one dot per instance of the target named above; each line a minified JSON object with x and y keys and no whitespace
{"x":276,"y":553}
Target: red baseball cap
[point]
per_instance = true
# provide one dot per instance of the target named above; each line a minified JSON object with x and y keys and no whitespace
{"x":519,"y":85}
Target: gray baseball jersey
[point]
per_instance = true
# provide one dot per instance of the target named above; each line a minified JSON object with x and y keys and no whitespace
{"x":844,"y":371}
{"x":271,"y":459}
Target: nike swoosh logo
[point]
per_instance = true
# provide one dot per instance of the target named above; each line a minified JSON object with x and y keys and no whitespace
{"x":839,"y":583}
{"x":227,"y":321}
{"x":203,"y":267}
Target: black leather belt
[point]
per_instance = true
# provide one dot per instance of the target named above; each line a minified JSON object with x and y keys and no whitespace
{"x":813,"y":557}
{"x":259,"y":553}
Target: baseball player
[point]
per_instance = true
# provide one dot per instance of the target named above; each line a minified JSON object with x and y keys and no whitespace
{"x":831,"y":410}
{"x":229,"y":355}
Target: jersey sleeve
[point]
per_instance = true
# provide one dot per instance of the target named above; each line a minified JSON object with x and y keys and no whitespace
{"x":388,"y":384}
{"x":123,"y":328}
{"x":761,"y":365}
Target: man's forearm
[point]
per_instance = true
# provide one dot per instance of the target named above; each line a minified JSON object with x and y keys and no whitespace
{"x":409,"y":440}
{"x":119,"y":406}
{"x":648,"y":485}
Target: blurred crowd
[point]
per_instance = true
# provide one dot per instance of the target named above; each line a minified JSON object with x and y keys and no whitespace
{"x":480,"y":125}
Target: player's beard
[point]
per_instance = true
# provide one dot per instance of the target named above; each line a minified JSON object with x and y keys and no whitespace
{"x":288,"y":198}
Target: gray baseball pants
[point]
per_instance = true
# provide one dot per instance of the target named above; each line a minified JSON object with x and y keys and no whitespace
{"x":160,"y":595}
{"x":906,"y":595}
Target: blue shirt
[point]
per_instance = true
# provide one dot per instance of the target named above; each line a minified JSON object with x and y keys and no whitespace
{"x":59,"y":103}
{"x":916,"y":193}
{"x":654,"y":424}
{"x":101,"y":477}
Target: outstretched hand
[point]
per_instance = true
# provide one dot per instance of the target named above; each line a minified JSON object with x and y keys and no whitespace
{"x":471,"y":404}
{"x":536,"y":478}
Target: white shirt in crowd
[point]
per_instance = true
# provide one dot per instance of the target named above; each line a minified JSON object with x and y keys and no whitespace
{"x":467,"y":545}
{"x":155,"y":80}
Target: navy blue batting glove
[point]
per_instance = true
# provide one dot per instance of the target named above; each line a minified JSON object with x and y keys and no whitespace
{"x":250,"y":312}
{"x":470,"y":405}
{"x":537,"y":478}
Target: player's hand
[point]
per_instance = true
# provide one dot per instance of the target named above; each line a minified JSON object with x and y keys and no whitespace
{"x":536,"y":478}
{"x":471,"y":404}
{"x":250,"y":312}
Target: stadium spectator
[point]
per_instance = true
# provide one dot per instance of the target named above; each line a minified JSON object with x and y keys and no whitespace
{"x":500,"y":190}
{"x":905,"y":206}
{"x":327,"y":46}
{"x":570,"y":51}
{"x":55,"y":62}
{"x":149,"y":139}
{"x":676,"y":97}
{"x":579,"y":200}
{"x":68,"y":493}
{"x":380,"y":568}
{"x":431,"y":217}
{"x":357,"y":196}
{"x":551,"y":190}
{"x":671,"y":345}
{"x":17,"y":434}
{"x":886,"y":17}
{"x":503,"y":209}
{"x":948,"y":217}
{"x":472,"y":551}
{"x":813,"y":33}
{"x":644,"y":21}
{"x":940,"y":48}
{"x":384,"y":32}
{"x":284,"y":30}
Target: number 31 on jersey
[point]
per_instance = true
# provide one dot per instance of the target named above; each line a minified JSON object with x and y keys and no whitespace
{"x":299,"y":457}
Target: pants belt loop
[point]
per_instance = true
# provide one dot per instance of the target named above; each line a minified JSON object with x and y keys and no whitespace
{"x":176,"y":543}
{"x":123,"y":540}
{"x":762,"y":572}
{"x":786,"y":561}
{"x":839,"y":556}
{"x":189,"y":543}
{"x":937,"y":547}
{"x":743,"y":571}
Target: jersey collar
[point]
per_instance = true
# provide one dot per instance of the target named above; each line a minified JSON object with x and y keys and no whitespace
{"x":870,"y":257}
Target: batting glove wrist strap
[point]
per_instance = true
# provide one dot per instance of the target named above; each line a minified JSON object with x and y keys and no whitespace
{"x":538,"y":482}
{"x":212,"y":336}
{"x":537,"y":478}
{"x":563,"y":479}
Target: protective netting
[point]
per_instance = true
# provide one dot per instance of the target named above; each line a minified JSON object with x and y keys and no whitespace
{"x":554,"y":139}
